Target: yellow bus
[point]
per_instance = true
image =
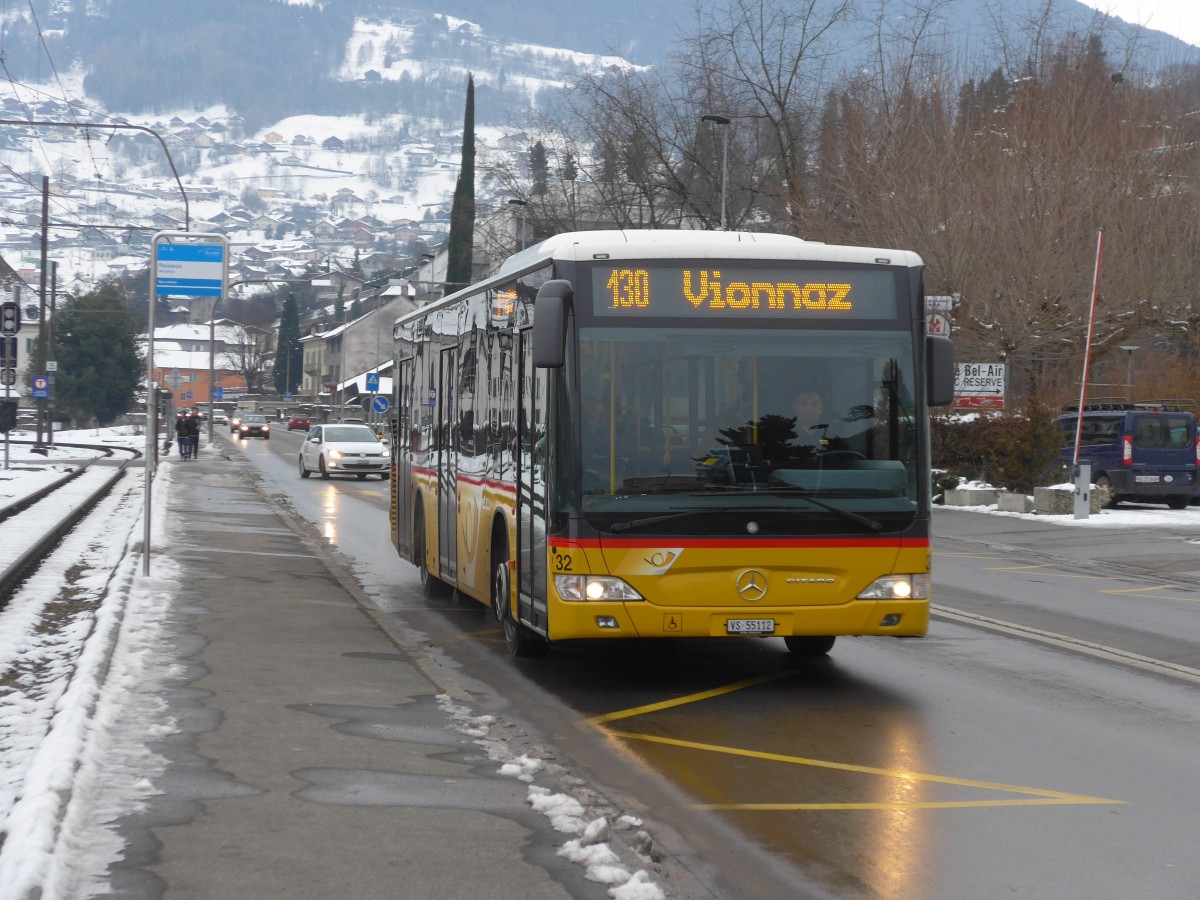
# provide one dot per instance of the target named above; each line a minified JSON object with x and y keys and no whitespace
{"x":616,"y":436}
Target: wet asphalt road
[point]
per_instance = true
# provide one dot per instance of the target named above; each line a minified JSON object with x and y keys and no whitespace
{"x":1051,"y":753}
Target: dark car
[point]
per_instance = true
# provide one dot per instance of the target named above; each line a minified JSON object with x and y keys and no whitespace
{"x":1139,"y":452}
{"x":255,"y":425}
{"x":299,"y":423}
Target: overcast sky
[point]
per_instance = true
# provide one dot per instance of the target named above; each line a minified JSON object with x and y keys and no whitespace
{"x":1178,"y":17}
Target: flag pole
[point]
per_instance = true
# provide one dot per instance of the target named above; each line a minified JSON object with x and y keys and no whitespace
{"x":1087,"y":347}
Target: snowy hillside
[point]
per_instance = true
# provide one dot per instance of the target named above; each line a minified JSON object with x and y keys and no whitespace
{"x":344,"y":185}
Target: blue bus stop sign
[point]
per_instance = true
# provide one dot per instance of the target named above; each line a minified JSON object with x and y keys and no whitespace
{"x":373,"y":382}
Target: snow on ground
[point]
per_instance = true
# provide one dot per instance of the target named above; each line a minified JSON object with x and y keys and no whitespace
{"x":81,"y":702}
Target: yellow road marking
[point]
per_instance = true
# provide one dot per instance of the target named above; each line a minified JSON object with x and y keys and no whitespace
{"x":1031,"y":796}
{"x":682,"y":701}
{"x":1141,"y":590}
{"x":1043,"y":797}
{"x":971,"y":555}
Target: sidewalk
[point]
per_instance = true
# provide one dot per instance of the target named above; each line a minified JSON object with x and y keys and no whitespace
{"x":314,"y":758}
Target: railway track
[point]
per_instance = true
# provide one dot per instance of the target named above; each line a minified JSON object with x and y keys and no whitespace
{"x":33,"y":525}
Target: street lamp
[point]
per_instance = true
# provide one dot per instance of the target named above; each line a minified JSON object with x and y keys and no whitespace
{"x":1129,"y":348}
{"x":724,"y":121}
{"x":523,"y":204}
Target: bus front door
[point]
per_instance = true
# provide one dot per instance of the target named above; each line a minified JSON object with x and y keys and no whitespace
{"x":531,"y":487}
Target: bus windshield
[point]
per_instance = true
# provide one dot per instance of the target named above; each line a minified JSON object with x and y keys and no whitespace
{"x":811,"y":430}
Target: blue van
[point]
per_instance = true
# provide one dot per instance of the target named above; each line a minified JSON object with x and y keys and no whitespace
{"x":1145,"y":452}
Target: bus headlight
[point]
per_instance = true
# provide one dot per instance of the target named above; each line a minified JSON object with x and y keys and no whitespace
{"x":594,"y":587}
{"x":897,"y":587}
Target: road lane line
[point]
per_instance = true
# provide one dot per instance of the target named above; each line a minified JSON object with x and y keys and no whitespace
{"x":1099,"y":651}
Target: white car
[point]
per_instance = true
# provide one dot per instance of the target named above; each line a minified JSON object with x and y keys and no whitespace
{"x":344,"y":450}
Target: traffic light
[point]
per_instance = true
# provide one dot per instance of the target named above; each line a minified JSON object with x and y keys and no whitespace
{"x":10,"y":318}
{"x":8,"y":416}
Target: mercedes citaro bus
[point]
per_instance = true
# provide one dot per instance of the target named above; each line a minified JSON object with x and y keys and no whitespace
{"x":599,"y":441}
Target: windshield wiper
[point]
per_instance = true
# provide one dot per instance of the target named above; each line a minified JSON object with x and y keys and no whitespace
{"x":864,"y":521}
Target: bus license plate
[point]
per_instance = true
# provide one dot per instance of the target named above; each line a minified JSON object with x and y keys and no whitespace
{"x":750,"y":626}
{"x":1146,"y":479}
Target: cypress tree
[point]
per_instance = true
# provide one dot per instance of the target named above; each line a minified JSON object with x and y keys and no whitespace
{"x":289,"y":357}
{"x":462,"y":213}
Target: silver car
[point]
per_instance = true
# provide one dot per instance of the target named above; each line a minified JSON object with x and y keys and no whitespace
{"x":344,"y":450}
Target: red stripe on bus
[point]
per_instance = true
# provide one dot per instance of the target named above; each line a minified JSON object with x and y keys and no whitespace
{"x":725,"y":542}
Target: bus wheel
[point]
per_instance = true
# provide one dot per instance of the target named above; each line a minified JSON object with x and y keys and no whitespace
{"x":431,"y":586}
{"x":1177,"y":502}
{"x":809,"y":647}
{"x":1104,"y":484}
{"x":519,"y":639}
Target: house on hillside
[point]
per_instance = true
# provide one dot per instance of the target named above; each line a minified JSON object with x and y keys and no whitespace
{"x":335,"y":357}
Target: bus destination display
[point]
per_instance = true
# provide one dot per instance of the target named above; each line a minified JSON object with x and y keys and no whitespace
{"x":743,"y":293}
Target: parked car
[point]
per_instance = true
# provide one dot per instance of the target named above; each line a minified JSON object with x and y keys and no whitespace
{"x":344,"y":450}
{"x":255,"y":425}
{"x":299,"y":422}
{"x":1140,"y":452}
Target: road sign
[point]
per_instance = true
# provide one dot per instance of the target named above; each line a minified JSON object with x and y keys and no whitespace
{"x":218,"y":393}
{"x":380,"y":404}
{"x":937,"y":323}
{"x":979,"y":386}
{"x":41,"y":387}
{"x":192,"y":265}
{"x":373,"y":382}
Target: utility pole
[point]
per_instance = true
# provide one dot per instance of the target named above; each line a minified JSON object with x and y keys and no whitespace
{"x":40,"y":361}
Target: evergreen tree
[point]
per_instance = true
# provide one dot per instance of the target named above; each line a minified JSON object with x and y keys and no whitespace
{"x":289,"y":357}
{"x":356,"y":308}
{"x":539,"y":168}
{"x":461,"y":244}
{"x":99,"y":366}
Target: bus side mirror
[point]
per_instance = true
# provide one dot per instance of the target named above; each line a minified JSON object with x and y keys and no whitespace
{"x":939,"y":370}
{"x":550,"y":310}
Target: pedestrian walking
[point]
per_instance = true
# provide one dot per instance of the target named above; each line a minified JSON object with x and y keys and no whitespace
{"x":193,"y":429}
{"x":182,"y":436}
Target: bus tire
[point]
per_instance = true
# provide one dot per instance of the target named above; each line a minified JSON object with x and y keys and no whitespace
{"x":1104,"y":484}
{"x":809,"y":647}
{"x":521,"y":641}
{"x":431,"y":586}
